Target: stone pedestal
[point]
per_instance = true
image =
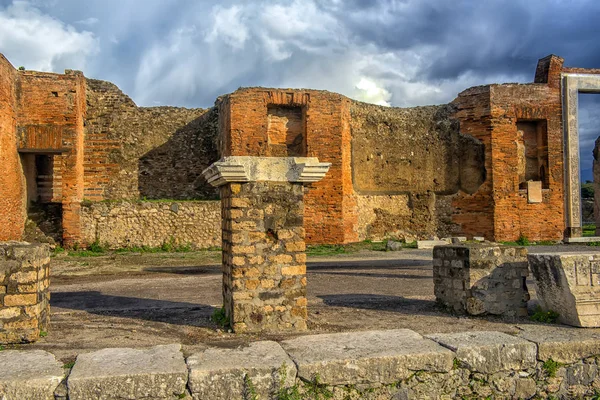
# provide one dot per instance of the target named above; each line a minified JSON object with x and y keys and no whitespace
{"x":24,"y":293}
{"x":569,"y":284}
{"x":264,"y":259}
{"x":481,"y":278}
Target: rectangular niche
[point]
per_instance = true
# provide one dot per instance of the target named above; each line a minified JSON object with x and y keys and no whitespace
{"x":286,"y":131}
{"x":532,"y":148}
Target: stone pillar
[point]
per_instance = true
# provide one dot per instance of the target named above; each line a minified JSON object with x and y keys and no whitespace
{"x":481,"y":279}
{"x":24,"y":293}
{"x":264,"y":259}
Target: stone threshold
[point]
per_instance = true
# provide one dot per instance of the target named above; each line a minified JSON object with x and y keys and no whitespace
{"x":539,"y":361}
{"x":582,"y":239}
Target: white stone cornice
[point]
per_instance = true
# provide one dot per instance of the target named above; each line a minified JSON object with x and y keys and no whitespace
{"x":265,"y":169}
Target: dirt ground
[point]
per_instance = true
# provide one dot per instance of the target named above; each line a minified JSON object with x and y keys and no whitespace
{"x":138,"y":300}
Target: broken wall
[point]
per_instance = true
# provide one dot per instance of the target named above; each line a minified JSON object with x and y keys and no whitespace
{"x":12,"y":181}
{"x":133,"y":152}
{"x":503,"y":209}
{"x":407,"y":165}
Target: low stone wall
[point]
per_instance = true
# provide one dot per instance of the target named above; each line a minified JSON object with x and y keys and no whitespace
{"x":24,"y":293}
{"x":149,"y":223}
{"x":539,"y":362}
{"x":481,"y":278}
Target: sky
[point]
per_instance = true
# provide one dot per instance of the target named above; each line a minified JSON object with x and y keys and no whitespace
{"x":391,"y":52}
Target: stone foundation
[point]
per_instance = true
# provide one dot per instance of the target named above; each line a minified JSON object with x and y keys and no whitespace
{"x":24,"y":293}
{"x":264,"y":260}
{"x":481,"y":279}
{"x":567,"y":283}
{"x":541,"y":362}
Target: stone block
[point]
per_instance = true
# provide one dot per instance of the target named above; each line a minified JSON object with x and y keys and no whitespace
{"x":534,"y":192}
{"x":569,"y":284}
{"x":481,"y":278}
{"x":430,"y":244}
{"x":159,"y":372}
{"x":562,"y":344}
{"x":232,"y":373}
{"x":31,"y":375}
{"x":372,"y":357}
{"x":489,"y":352}
{"x":392,"y":245}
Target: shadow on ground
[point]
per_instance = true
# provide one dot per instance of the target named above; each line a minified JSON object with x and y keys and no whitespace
{"x":380,"y":302}
{"x":171,"y":312}
{"x":190,"y":270}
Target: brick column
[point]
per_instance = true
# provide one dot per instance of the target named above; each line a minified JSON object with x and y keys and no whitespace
{"x":264,"y":259}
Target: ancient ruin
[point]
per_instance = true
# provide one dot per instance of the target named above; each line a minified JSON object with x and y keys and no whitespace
{"x":479,"y":279}
{"x":83,"y":161}
{"x":567,"y":283}
{"x":264,"y":259}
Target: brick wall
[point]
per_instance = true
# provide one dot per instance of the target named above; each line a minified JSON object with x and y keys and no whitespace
{"x":50,"y":119}
{"x":12,"y":184}
{"x":331,"y":215}
{"x":119,"y":224}
{"x":500,"y":210}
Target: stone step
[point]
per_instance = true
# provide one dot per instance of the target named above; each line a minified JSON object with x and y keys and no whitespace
{"x":372,"y":357}
{"x":261,"y":368}
{"x":159,"y":372}
{"x":488,"y":351}
{"x":31,"y":375}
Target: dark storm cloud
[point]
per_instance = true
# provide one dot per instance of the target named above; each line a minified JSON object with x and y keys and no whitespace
{"x":186,"y":52}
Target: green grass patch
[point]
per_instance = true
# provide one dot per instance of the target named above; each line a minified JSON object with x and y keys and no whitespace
{"x":523,"y":241}
{"x":220,"y":318}
{"x":589,"y":230}
{"x":548,"y":317}
{"x":336,"y":249}
{"x":550,"y":367}
{"x":326,"y":250}
{"x":69,"y":365}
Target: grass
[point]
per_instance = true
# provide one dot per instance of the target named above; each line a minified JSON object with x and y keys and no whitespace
{"x":548,"y":317}
{"x":551,"y":366}
{"x":336,"y":249}
{"x":523,"y":241}
{"x":529,"y":243}
{"x":43,"y":333}
{"x":96,"y":249}
{"x":69,"y":365}
{"x":220,"y":318}
{"x":589,"y":230}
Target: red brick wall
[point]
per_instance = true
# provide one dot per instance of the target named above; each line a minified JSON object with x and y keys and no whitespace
{"x":50,"y":116}
{"x":499,"y":210}
{"x":475,"y":213}
{"x":513,"y":215}
{"x":330,"y":204}
{"x":12,"y":181}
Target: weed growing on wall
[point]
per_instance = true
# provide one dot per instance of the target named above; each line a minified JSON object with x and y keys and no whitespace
{"x":548,"y":317}
{"x":249,"y":389}
{"x":550,"y":367}
{"x":523,"y":240}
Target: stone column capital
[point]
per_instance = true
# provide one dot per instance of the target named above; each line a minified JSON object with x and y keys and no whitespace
{"x":265,"y":169}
